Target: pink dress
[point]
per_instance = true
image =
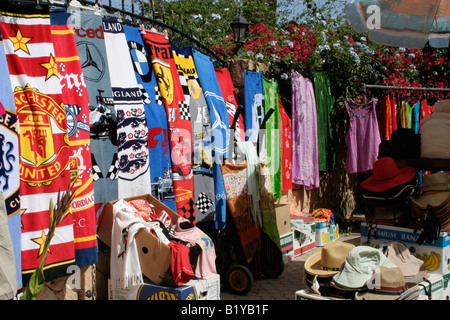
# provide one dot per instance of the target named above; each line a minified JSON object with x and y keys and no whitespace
{"x":363,"y":136}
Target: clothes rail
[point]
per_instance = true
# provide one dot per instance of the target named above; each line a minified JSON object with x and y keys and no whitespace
{"x":376,"y":86}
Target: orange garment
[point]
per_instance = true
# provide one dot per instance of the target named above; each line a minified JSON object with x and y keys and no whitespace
{"x":385,"y":118}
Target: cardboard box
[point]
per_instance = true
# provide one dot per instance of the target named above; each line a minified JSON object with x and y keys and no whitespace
{"x":446,"y":278}
{"x":283,"y":216}
{"x":304,"y":241}
{"x":309,"y":295}
{"x":433,"y":289}
{"x":287,"y":246}
{"x":436,"y":255}
{"x":326,"y":233}
{"x":198,"y":289}
{"x":154,"y":255}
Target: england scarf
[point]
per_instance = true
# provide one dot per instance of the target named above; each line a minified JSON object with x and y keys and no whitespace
{"x":76,"y":102}
{"x":158,"y":137}
{"x":90,"y":41}
{"x":132,"y":132}
{"x":220,"y":127}
{"x":201,"y":133}
{"x":9,"y":162}
{"x":179,"y":121}
{"x":43,"y":140}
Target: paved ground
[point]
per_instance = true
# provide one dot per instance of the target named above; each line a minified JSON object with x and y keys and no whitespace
{"x":290,"y":281}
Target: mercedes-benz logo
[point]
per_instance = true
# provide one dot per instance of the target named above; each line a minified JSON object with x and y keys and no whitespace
{"x":92,"y":61}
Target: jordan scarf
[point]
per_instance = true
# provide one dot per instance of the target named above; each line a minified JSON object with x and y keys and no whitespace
{"x":229,"y":95}
{"x":9,"y":162}
{"x":254,"y":105}
{"x":76,"y":101}
{"x":201,"y":133}
{"x":43,"y":140}
{"x":132,"y":132}
{"x":179,"y":122}
{"x":273,"y":135}
{"x":220,"y":129}
{"x":158,"y":138}
{"x":90,"y":41}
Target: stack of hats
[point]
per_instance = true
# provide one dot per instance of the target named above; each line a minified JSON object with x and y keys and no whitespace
{"x":404,"y":144}
{"x":365,"y":273}
{"x":431,"y":210}
{"x":386,"y":193}
{"x":436,"y":132}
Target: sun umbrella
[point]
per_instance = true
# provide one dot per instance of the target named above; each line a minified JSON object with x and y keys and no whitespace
{"x":402,"y":23}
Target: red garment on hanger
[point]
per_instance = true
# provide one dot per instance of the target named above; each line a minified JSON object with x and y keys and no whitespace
{"x":425,"y":110}
{"x":286,"y":148}
{"x":394,"y":111}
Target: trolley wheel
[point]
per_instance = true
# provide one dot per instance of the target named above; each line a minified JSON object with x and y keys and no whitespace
{"x":239,"y":279}
{"x":274,"y":269}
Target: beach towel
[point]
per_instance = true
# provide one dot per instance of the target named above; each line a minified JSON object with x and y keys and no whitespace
{"x":201,"y":134}
{"x":254,"y":104}
{"x":156,"y":116}
{"x":76,"y":102}
{"x":132,"y":133}
{"x":43,"y":139}
{"x":179,"y":120}
{"x":9,"y":163}
{"x":220,"y":129}
{"x":90,"y":40}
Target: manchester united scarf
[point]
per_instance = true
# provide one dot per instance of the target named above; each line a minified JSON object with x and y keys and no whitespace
{"x":132,"y":132}
{"x":220,"y":129}
{"x":179,"y":122}
{"x":76,"y":102}
{"x":9,"y":162}
{"x":43,"y":140}
{"x":273,"y":135}
{"x":254,"y":105}
{"x":201,"y":134}
{"x":158,"y":138}
{"x":90,"y":41}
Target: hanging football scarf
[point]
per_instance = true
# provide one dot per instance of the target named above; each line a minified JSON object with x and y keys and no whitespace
{"x":156,"y":116}
{"x":9,"y":162}
{"x":132,"y":132}
{"x":201,"y":133}
{"x":90,"y":41}
{"x":76,"y":101}
{"x":254,"y":105}
{"x":179,"y":122}
{"x":273,"y":135}
{"x":229,"y":95}
{"x":286,"y":148}
{"x":220,"y":129}
{"x":43,"y":140}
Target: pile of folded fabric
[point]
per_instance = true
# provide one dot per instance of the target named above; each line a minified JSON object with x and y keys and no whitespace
{"x":342,"y":270}
{"x":386,"y":193}
{"x":436,"y":132}
{"x":430,"y":210}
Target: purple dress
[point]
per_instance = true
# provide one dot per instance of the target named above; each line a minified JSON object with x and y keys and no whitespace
{"x":363,"y":136}
{"x":305,"y":161}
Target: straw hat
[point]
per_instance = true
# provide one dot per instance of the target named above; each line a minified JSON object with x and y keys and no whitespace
{"x":329,"y":260}
{"x":442,"y":106}
{"x":386,"y":175}
{"x":389,"y":285}
{"x":435,"y":191}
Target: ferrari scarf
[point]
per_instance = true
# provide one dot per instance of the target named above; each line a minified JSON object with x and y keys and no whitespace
{"x":132,"y":132}
{"x":179,"y":121}
{"x":90,"y":41}
{"x":9,"y":162}
{"x":156,"y":116}
{"x":273,"y":135}
{"x":76,"y":102}
{"x":254,"y":105}
{"x":201,"y":134}
{"x":43,"y":140}
{"x":220,"y":129}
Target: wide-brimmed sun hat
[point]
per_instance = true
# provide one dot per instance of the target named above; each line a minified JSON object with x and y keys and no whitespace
{"x":389,"y":284}
{"x":442,"y":106}
{"x":359,"y":266}
{"x":435,"y":190}
{"x":398,"y":253}
{"x":386,"y":175}
{"x":329,"y":260}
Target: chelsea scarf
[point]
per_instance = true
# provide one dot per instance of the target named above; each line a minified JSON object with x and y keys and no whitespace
{"x":158,"y":137}
{"x":43,"y":140}
{"x":76,"y":101}
{"x":201,"y":134}
{"x":180,"y":127}
{"x":9,"y":149}
{"x":132,"y":132}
